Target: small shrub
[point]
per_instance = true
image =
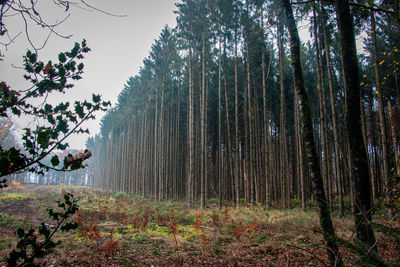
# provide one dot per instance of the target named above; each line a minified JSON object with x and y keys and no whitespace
{"x":34,"y":244}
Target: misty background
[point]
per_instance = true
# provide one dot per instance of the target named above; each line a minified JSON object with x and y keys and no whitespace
{"x":119,"y":43}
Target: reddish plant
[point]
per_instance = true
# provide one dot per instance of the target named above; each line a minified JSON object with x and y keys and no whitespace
{"x":238,"y":231}
{"x":205,"y":241}
{"x":197,"y":223}
{"x":173,"y":226}
{"x":226,"y":215}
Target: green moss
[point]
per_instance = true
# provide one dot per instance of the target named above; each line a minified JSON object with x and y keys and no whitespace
{"x":185,"y":232}
{"x":16,"y":196}
{"x":159,"y":231}
{"x":188,"y":232}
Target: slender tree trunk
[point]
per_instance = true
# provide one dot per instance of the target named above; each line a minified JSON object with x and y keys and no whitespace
{"x":265,"y":77}
{"x":318,"y":188}
{"x":394,"y":135}
{"x":359,"y":165}
{"x":189,"y":193}
{"x":220,"y":155}
{"x":249,"y":139}
{"x":143,"y":150}
{"x":299,"y":149}
{"x":283,"y":134}
{"x":382,"y":120}
{"x":155,"y":155}
{"x":202,"y":128}
{"x":229,"y":166}
{"x":338,"y":170}
{"x":323,"y":115}
{"x":160,"y":146}
{"x":237,"y":151}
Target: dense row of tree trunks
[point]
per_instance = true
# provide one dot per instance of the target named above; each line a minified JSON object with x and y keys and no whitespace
{"x":224,"y":118}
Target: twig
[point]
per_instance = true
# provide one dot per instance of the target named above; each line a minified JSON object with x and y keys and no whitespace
{"x":102,"y":11}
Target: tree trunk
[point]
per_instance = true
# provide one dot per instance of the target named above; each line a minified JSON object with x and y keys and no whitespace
{"x":237,"y":151}
{"x":265,"y":78}
{"x":382,"y":120}
{"x":202,"y":128}
{"x":359,"y":165}
{"x":227,"y":130}
{"x":190,"y":170}
{"x":220,"y":155}
{"x":338,"y":170}
{"x":394,"y":136}
{"x":283,"y":134}
{"x":318,"y":188}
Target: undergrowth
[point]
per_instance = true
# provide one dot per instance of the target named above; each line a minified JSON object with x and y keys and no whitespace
{"x":124,"y":230}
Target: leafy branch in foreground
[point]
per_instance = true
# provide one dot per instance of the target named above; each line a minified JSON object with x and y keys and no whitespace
{"x":56,"y":122}
{"x":30,"y":246}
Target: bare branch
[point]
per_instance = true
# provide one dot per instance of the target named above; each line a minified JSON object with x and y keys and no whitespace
{"x":102,"y":11}
{"x":29,"y":13}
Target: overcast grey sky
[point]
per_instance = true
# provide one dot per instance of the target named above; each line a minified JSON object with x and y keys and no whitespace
{"x":119,"y":45}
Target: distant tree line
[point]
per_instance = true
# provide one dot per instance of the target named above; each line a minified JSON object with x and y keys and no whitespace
{"x":231,"y":105}
{"x":212,"y":112}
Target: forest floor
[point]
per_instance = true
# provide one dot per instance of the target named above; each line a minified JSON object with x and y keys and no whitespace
{"x":120,"y":230}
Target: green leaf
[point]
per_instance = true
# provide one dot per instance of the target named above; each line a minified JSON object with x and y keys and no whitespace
{"x":62,"y":58}
{"x":43,"y":138}
{"x":43,"y":230}
{"x":50,"y":119}
{"x":69,"y":226}
{"x":61,"y":72}
{"x":74,"y":51}
{"x":79,"y":110}
{"x":48,"y":108}
{"x":39,"y":67}
{"x":96,"y":98}
{"x":80,"y":66}
{"x":62,"y":126}
{"x":55,"y":161}
{"x":62,"y":146}
{"x":16,"y":111}
{"x":33,"y":58}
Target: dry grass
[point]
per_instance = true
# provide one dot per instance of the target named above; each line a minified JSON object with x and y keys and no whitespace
{"x":116,"y":229}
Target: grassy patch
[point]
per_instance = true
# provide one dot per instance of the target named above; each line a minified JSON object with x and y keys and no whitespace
{"x":115,"y":225}
{"x":7,"y":220}
{"x":16,"y":196}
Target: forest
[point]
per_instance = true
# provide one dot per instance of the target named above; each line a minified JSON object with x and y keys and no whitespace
{"x":269,"y":106}
{"x":216,"y":112}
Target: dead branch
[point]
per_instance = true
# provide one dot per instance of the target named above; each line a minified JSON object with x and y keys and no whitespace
{"x":78,"y":158}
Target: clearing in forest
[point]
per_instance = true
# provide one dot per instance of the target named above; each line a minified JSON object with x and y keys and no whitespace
{"x":120,"y":230}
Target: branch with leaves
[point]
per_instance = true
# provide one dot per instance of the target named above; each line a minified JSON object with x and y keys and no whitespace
{"x":57,"y":122}
{"x":30,"y":246}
